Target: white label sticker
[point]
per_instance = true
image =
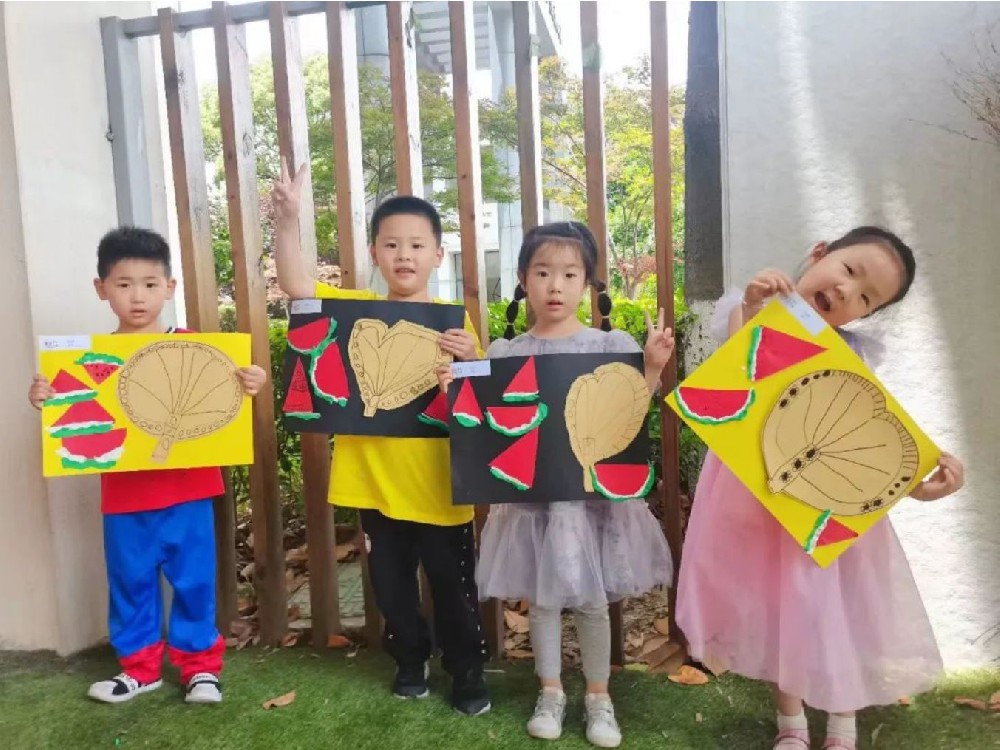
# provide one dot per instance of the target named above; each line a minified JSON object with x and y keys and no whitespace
{"x":475,"y":369}
{"x":306,"y":306}
{"x":63,"y":343}
{"x":803,"y":313}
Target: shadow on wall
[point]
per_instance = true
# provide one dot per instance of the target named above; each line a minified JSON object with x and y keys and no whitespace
{"x":837,"y":139}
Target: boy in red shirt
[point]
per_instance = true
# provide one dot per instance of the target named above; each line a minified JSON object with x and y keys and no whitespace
{"x":155,"y":520}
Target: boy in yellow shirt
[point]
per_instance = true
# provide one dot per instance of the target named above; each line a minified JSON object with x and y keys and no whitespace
{"x":402,"y":486}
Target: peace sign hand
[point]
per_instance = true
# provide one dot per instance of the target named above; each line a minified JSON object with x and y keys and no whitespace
{"x":659,"y":345}
{"x":286,"y":192}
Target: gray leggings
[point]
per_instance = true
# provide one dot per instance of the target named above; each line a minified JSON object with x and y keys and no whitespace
{"x":593,"y":628}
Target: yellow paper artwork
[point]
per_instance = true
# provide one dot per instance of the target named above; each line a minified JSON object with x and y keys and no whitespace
{"x":799,"y":418}
{"x":393,"y":366}
{"x":131,"y":402}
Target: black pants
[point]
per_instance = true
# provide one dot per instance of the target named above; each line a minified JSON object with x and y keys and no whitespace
{"x":448,"y":556}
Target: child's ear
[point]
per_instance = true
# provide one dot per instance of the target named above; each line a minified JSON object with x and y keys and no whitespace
{"x":438,"y":256}
{"x":171,"y":287}
{"x":99,"y":288}
{"x":371,"y":249}
{"x":818,"y":252}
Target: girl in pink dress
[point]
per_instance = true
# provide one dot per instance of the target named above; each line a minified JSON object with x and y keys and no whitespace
{"x":840,"y":638}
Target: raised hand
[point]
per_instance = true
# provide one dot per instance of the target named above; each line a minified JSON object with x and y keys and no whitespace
{"x":459,"y":343}
{"x":765,"y":285}
{"x":286,"y":192}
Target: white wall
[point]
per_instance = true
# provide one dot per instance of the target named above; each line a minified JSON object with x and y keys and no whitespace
{"x":57,"y":198}
{"x":823,"y":112}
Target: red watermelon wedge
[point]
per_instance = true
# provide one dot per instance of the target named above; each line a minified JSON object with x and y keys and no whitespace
{"x":100,"y":452}
{"x":524,"y":385}
{"x":310,"y":337}
{"x":99,"y":366}
{"x":713,"y":406}
{"x":516,"y":465}
{"x":328,"y":376}
{"x":515,"y":421}
{"x":298,"y":400}
{"x":828,"y":530}
{"x":466,"y":408}
{"x":69,"y":390}
{"x":83,"y":418}
{"x":772,"y":351}
{"x":436,"y":413}
{"x":620,"y":482}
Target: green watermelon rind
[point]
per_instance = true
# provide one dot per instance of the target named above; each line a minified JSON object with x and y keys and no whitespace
{"x":504,"y":477}
{"x":71,"y":397}
{"x":520,"y":398}
{"x":433,"y":422}
{"x":541,"y":412}
{"x":318,"y":352}
{"x":467,"y":420}
{"x":81,"y":464}
{"x":755,"y":339}
{"x":96,"y":358}
{"x":90,"y":428}
{"x":303,"y":415}
{"x":700,"y":419}
{"x":814,"y":535}
{"x":643,"y":491}
{"x":318,"y":349}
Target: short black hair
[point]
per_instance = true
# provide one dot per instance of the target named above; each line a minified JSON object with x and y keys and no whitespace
{"x":131,"y":243}
{"x":406,"y":205}
{"x":877,"y":236}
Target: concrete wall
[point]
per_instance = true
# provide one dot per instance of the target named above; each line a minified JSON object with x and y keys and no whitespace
{"x":57,"y":197}
{"x":835,"y":115}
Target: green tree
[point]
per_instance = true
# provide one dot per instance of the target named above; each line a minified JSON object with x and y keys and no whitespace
{"x":628,"y":156}
{"x":437,"y":125}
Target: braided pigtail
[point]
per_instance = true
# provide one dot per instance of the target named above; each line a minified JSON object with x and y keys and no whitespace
{"x":512,"y":310}
{"x":603,"y":304}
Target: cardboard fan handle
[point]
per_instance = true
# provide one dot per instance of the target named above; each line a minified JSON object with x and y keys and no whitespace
{"x":588,"y":480}
{"x":167,"y":439}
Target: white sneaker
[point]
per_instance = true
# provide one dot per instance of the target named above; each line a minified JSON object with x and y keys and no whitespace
{"x":204,"y":687}
{"x":602,"y":729}
{"x":546,"y":723}
{"x":119,"y":689}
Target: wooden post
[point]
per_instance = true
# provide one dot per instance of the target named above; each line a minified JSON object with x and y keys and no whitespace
{"x":404,"y":89}
{"x":187,"y":156}
{"x":236,"y":115}
{"x":663,"y":231}
{"x":293,"y":145}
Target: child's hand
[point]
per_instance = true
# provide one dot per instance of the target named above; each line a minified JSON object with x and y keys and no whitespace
{"x":948,"y":478}
{"x":40,"y":391}
{"x":459,"y":343}
{"x":445,"y":377}
{"x":286,"y":191}
{"x":659,"y":344}
{"x":252,"y":379}
{"x":765,"y":285}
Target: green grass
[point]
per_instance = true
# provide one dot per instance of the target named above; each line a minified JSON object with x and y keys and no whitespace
{"x":343,"y":702}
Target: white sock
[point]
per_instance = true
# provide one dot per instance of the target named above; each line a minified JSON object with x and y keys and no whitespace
{"x":842,"y":728}
{"x":795,"y":721}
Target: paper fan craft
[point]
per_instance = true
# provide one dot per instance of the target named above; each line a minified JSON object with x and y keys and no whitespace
{"x":604,"y":412}
{"x":394,"y":365}
{"x":830,"y":442}
{"x":164,"y":387}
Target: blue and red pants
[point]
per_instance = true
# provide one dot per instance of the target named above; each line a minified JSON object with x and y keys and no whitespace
{"x":180,"y":542}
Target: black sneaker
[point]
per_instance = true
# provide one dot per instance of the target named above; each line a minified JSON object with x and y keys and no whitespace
{"x":411,"y":682}
{"x":469,"y":694}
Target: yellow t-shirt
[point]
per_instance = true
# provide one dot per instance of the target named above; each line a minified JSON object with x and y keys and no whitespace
{"x":404,"y":478}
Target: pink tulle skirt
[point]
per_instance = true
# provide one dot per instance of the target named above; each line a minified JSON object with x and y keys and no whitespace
{"x":851,"y":635}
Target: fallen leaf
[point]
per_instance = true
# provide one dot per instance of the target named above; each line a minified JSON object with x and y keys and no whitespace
{"x":508,"y":644}
{"x":293,"y":612}
{"x":698,"y":718}
{"x":247,"y":572}
{"x":290,"y":639}
{"x":336,"y":640}
{"x":516,"y":622}
{"x":653,"y":643}
{"x":344,"y":551}
{"x":299,"y":555}
{"x":522,"y":606}
{"x":662,"y":625}
{"x":661,"y":654}
{"x":972,"y":703}
{"x":906,"y":701}
{"x":232,"y":642}
{"x":281,"y":700}
{"x":246,"y":606}
{"x":520,"y":653}
{"x":688,"y":675}
{"x":635,"y":640}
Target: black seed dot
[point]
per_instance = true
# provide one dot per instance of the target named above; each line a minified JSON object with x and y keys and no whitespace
{"x":866,"y":507}
{"x":811,"y":453}
{"x":815,"y":377}
{"x":783,"y":404}
{"x":905,"y":479}
{"x":797,"y":464}
{"x":877,"y":502}
{"x":897,"y":485}
{"x":793,"y":392}
{"x":892,"y":492}
{"x":826,"y":373}
{"x":805,"y":381}
{"x":785,"y":476}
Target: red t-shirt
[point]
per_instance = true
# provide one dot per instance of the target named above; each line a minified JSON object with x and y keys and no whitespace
{"x":136,"y":491}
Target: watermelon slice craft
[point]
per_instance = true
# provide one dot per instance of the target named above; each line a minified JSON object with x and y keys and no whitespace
{"x":69,"y":390}
{"x":100,"y":452}
{"x":328,"y":376}
{"x":466,"y":409}
{"x":516,"y":465}
{"x":83,"y":418}
{"x":772,"y":351}
{"x":298,"y":400}
{"x":515,"y":421}
{"x":99,"y":366}
{"x":828,"y":530}
{"x":313,"y":336}
{"x":524,"y":385}
{"x":713,"y":406}
{"x":436,"y":413}
{"x":620,"y":482}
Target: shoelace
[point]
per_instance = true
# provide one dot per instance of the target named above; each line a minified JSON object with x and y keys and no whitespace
{"x":548,"y":704}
